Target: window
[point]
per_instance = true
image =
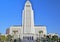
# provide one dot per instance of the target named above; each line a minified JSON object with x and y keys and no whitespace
{"x":27,"y":5}
{"x":28,"y":38}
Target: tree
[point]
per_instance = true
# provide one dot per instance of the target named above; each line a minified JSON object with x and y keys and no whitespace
{"x":44,"y":38}
{"x":48,"y":38}
{"x":40,"y":32}
{"x":55,"y":38}
{"x":0,"y":36}
{"x":9,"y":37}
{"x":37,"y":40}
{"x":19,"y":39}
{"x":3,"y":38}
{"x":59,"y":39}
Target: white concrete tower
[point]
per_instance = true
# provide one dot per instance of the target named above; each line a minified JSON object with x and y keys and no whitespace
{"x":28,"y":18}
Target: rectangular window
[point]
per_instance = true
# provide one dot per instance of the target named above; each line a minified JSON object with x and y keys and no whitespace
{"x":27,"y":5}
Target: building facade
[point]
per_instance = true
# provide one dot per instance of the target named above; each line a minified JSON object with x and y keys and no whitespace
{"x":28,"y":29}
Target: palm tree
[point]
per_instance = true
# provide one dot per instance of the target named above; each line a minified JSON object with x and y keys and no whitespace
{"x":49,"y":39}
{"x":37,"y":40}
{"x":59,"y":39}
{"x":44,"y":38}
{"x":15,"y":31}
{"x":19,"y":39}
{"x":9,"y":37}
{"x":55,"y":38}
{"x":15,"y":34}
{"x":40,"y":32}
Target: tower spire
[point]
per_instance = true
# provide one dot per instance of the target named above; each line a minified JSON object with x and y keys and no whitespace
{"x":28,"y":0}
{"x":28,"y":18}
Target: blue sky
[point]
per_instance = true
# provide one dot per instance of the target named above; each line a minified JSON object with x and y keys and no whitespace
{"x":46,"y":12}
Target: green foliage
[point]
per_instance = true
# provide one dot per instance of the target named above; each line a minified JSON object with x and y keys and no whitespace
{"x":59,"y":39}
{"x":3,"y":38}
{"x":40,"y":32}
{"x":55,"y":37}
{"x":38,"y":40}
{"x":9,"y":37}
